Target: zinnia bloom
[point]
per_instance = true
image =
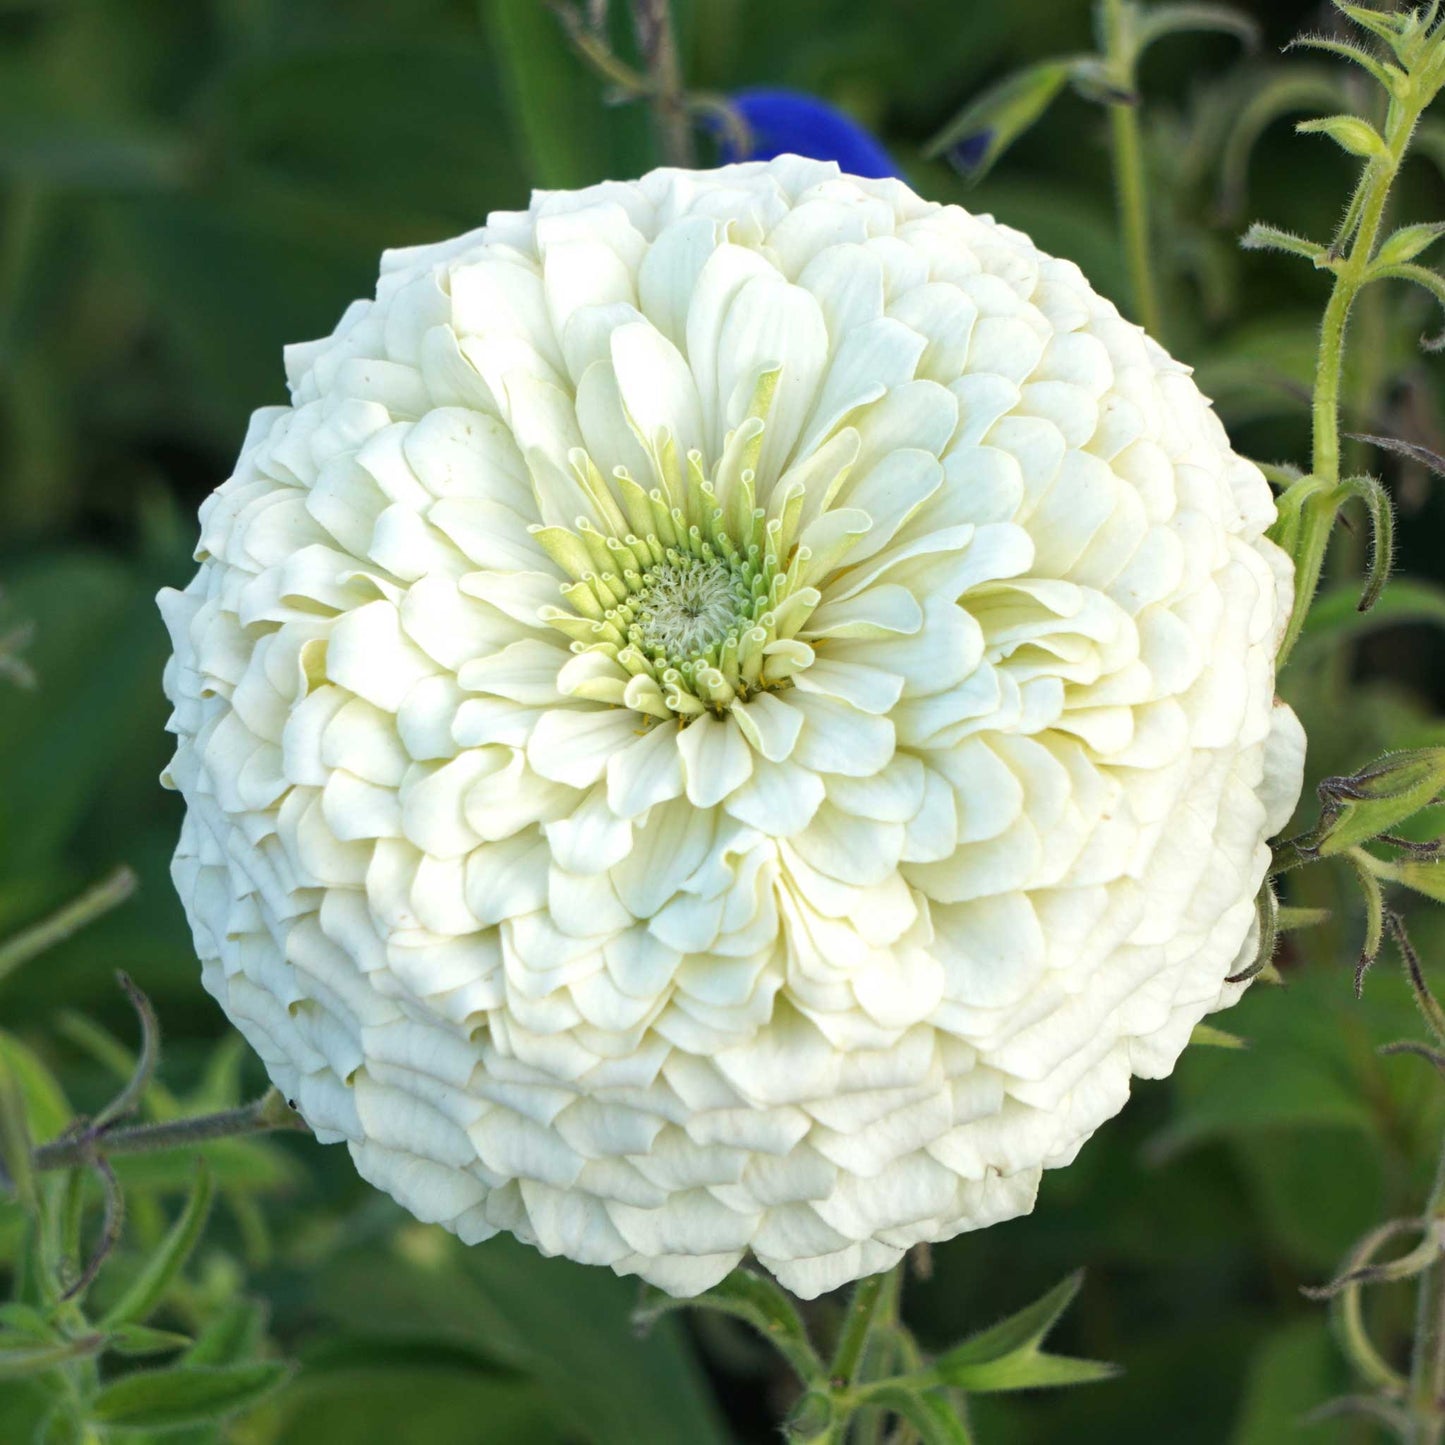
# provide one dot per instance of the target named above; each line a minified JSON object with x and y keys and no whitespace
{"x":731,"y":713}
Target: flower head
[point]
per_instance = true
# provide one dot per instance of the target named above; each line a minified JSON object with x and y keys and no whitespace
{"x":732,"y":713}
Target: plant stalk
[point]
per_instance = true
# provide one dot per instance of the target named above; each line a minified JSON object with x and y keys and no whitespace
{"x":1427,"y":1360}
{"x":109,"y":893}
{"x":1317,"y":518}
{"x":260,"y":1116}
{"x":667,"y":98}
{"x":1129,"y":180}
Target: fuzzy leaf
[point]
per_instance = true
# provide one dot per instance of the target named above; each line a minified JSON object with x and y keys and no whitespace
{"x":1411,"y":451}
{"x":1261,"y":237}
{"x":143,"y":1340}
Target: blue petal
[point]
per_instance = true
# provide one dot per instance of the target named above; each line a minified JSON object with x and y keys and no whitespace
{"x":788,"y":122}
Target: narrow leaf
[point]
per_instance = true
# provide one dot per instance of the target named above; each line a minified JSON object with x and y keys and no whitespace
{"x":26,"y":1361}
{"x":143,"y":1340}
{"x":1389,"y":76}
{"x":1211,"y":1037}
{"x":980,"y":133}
{"x":1261,"y":237}
{"x":1382,"y":535}
{"x":184,"y":1395}
{"x":1349,"y":132}
{"x":1029,"y":1370}
{"x":1412,"y":451}
{"x":1025,"y":1330}
{"x":1385,"y":26}
{"x":1293,"y":919}
{"x":1161,"y":20}
{"x":150,"y":1286}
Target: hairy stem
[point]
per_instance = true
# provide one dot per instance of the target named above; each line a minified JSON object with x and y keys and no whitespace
{"x":1129,"y":184}
{"x":260,"y":1116}
{"x":1317,"y":519}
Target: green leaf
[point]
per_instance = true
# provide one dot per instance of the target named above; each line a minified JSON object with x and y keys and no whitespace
{"x":1007,"y":1356}
{"x":432,"y":1402}
{"x":1389,"y":76}
{"x":1261,"y":237}
{"x":15,"y":1145}
{"x":1349,"y":132}
{"x":1422,"y":276}
{"x":1028,"y":1370}
{"x":1387,"y":27}
{"x":142,"y":1340}
{"x":24,"y":1359}
{"x":184,"y":1395}
{"x":1161,"y":20}
{"x":759,"y":1302}
{"x":1379,"y":798}
{"x":552,"y":98}
{"x":503,"y":1303}
{"x":1408,"y":242}
{"x":47,"y":1109}
{"x":980,"y":133}
{"x":1212,"y":1037}
{"x":1335,"y":616}
{"x":234,"y":1335}
{"x":160,"y":1270}
{"x":1424,"y":875}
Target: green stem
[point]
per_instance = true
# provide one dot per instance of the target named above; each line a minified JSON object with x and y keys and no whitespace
{"x":261,"y":1116}
{"x":1129,"y":183}
{"x":857,"y":1326}
{"x":1427,"y":1362}
{"x":1317,"y":518}
{"x":656,"y":39}
{"x":73,"y":916}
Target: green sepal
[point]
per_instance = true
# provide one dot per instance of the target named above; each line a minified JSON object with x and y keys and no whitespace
{"x":1408,"y":242}
{"x":1349,"y":132}
{"x":1377,"y":799}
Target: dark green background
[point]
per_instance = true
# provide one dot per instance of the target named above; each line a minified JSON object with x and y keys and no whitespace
{"x":185,"y":185}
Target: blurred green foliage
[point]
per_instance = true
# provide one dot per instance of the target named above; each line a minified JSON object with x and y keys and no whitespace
{"x":185,"y":185}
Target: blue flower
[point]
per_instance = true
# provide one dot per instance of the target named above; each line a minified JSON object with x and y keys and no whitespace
{"x":788,"y":122}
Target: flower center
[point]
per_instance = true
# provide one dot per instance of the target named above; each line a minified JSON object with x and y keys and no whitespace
{"x":691,"y":598}
{"x":683,"y":608}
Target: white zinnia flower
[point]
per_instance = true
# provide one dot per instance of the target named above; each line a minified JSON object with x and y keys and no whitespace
{"x":732,"y":713}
